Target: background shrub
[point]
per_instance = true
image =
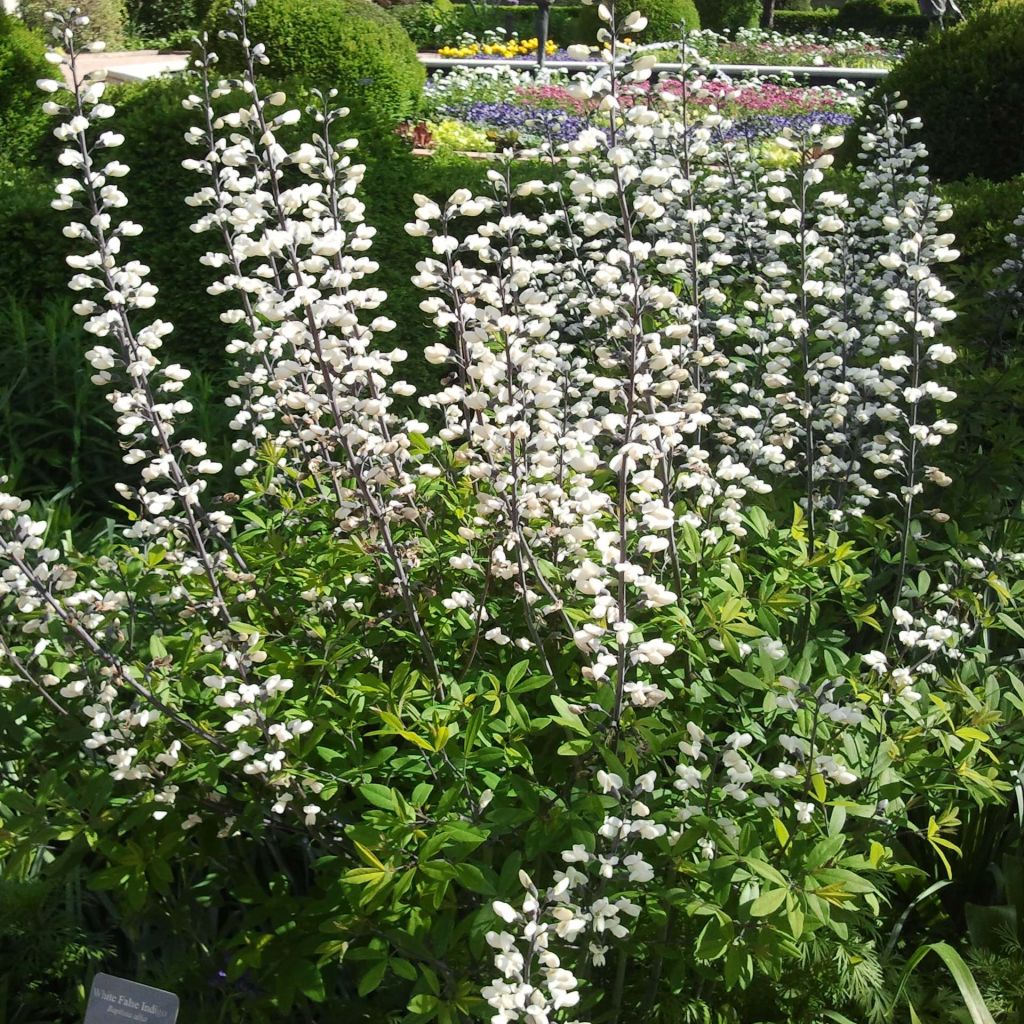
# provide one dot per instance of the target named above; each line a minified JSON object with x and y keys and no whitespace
{"x":429,"y":24}
{"x":22,"y":121}
{"x":164,"y":17}
{"x":967,"y":87}
{"x":351,"y":45}
{"x":874,"y":15}
{"x":563,"y":21}
{"x":729,"y":14}
{"x":664,"y":18}
{"x":792,"y":22}
{"x":107,"y":19}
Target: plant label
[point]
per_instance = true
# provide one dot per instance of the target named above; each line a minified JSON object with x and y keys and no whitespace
{"x":117,"y":1001}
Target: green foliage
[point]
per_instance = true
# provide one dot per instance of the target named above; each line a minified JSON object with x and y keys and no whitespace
{"x":429,"y":22}
{"x":22,"y":122}
{"x":45,"y":949}
{"x":55,"y":429}
{"x":666,"y":20}
{"x":107,"y":19}
{"x":353,"y":46}
{"x":729,"y":14}
{"x":983,"y":214}
{"x":563,"y":21}
{"x":154,"y":18}
{"x":966,"y":86}
{"x":875,"y":16}
{"x":793,"y":22}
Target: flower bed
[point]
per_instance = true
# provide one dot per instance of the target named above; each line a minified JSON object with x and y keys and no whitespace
{"x":848,"y":49}
{"x":490,"y":108}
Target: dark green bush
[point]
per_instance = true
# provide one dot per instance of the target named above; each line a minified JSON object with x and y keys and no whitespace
{"x":883,"y":17}
{"x":22,"y":121}
{"x":353,"y":46}
{"x":664,"y":20}
{"x":793,"y":22}
{"x":729,"y":14}
{"x":967,"y":86}
{"x":107,"y":18}
{"x":429,"y":24}
{"x":162,"y":17}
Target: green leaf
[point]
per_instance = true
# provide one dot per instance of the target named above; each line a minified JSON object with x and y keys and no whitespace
{"x":966,"y":732}
{"x":567,"y":718}
{"x":768,"y":902}
{"x":423,"y":1003}
{"x":379,"y":796}
{"x":781,"y":832}
{"x":373,"y":977}
{"x":818,"y":785}
{"x":961,"y":974}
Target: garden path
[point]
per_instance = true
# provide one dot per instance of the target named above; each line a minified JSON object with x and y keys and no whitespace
{"x":131,"y":65}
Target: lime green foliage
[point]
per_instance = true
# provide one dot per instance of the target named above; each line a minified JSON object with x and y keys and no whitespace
{"x":107,"y":19}
{"x":428,"y":22}
{"x":665,"y":20}
{"x":353,"y":46}
{"x":966,"y":85}
{"x":459,"y":137}
{"x":729,"y":14}
{"x":22,"y":122}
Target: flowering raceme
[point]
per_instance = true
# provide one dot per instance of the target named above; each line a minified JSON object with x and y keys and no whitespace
{"x":649,"y":591}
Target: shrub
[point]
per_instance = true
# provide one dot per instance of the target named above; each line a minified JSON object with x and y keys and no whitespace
{"x":729,"y":15}
{"x":107,"y":19}
{"x":966,"y":86}
{"x":645,"y":662}
{"x":793,"y":22}
{"x":870,"y":15}
{"x":430,"y":23}
{"x":353,"y":46}
{"x":665,"y":19}
{"x":563,"y":21}
{"x":22,"y":122}
{"x":160,"y":18}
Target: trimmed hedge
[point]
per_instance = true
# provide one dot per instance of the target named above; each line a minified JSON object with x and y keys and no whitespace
{"x":353,"y":46}
{"x":793,"y":22}
{"x":664,"y":18}
{"x":729,"y":14}
{"x":22,"y":63}
{"x":876,"y":16}
{"x":900,"y":20}
{"x":966,"y":85}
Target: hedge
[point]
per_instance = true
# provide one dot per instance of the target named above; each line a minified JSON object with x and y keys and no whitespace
{"x":966,"y":85}
{"x":825,"y":21}
{"x":351,"y":45}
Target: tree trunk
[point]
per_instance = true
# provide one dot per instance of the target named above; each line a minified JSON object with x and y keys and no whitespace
{"x":767,"y":13}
